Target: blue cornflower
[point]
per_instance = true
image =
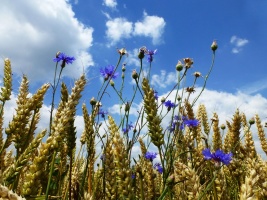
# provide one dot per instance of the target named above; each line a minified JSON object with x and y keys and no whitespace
{"x":128,"y":128}
{"x":169,"y":105}
{"x":158,"y":167}
{"x":64,"y":58}
{"x":150,"y":155}
{"x":156,"y":95}
{"x":108,"y":72}
{"x":218,"y":156}
{"x":191,"y":123}
{"x":102,"y":113}
{"x":150,"y":54}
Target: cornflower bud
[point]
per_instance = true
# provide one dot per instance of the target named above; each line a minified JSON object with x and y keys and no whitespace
{"x":179,"y":66}
{"x":197,"y":74}
{"x":251,"y":121}
{"x":112,"y":83}
{"x":214,"y":45}
{"x":222,"y":126}
{"x":134,"y":74}
{"x":123,"y":67}
{"x":142,"y":52}
{"x":93,"y":101}
{"x":122,"y":51}
{"x":163,"y":100}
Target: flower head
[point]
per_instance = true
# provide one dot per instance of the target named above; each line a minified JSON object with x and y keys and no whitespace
{"x":188,"y":62}
{"x":214,"y":45}
{"x":191,"y":123}
{"x":102,"y":113}
{"x":218,"y":156}
{"x":158,"y":167}
{"x":109,"y":71}
{"x":150,"y":155}
{"x":64,"y":58}
{"x":150,"y":54}
{"x":169,"y":105}
{"x":128,"y":128}
{"x":142,"y":52}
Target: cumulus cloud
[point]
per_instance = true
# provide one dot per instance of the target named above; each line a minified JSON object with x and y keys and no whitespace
{"x":238,"y":43}
{"x":117,"y":29}
{"x":110,"y":3}
{"x":150,"y":26}
{"x":32,"y":32}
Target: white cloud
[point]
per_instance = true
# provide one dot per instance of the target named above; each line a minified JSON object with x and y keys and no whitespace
{"x":110,"y":3}
{"x":163,"y":80}
{"x":132,"y":58}
{"x":151,"y":26}
{"x":32,"y":32}
{"x":117,"y":29}
{"x":238,"y":43}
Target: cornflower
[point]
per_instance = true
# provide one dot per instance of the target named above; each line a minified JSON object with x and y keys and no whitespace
{"x":191,"y":123}
{"x":218,"y":156}
{"x":150,"y":155}
{"x":102,"y":113}
{"x":128,"y":128}
{"x":109,"y":71}
{"x":64,"y":58}
{"x":158,"y":167}
{"x":169,"y":105}
{"x":150,"y":54}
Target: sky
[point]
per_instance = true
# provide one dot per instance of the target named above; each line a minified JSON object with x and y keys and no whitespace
{"x":33,"y":31}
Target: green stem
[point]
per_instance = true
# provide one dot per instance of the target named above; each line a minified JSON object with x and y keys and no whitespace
{"x":206,"y":78}
{"x":50,"y":175}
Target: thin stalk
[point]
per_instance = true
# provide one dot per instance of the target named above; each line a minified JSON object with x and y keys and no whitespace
{"x":206,"y":78}
{"x":50,"y":175}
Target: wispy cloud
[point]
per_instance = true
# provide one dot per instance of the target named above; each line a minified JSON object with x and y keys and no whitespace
{"x":254,"y":87}
{"x":238,"y":43}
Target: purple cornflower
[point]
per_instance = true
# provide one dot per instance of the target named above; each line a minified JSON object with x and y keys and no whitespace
{"x":156,"y":95}
{"x":64,"y":58}
{"x":169,"y":105}
{"x":191,"y":123}
{"x":108,"y":72}
{"x":158,"y":167}
{"x":128,"y":128}
{"x":150,"y":155}
{"x":150,"y":54}
{"x":102,"y":113}
{"x":218,"y":156}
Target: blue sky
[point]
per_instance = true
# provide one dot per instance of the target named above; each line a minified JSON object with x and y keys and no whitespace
{"x":32,"y":31}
